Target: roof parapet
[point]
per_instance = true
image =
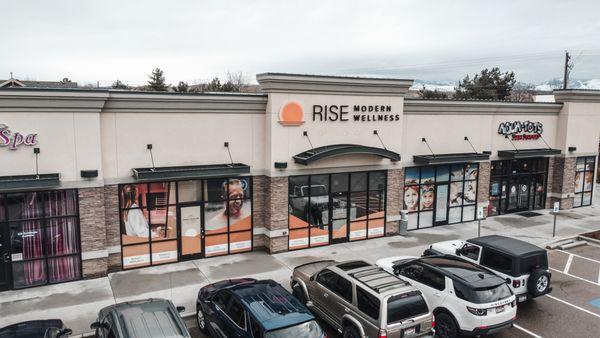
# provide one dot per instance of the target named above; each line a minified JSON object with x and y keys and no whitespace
{"x":577,"y":95}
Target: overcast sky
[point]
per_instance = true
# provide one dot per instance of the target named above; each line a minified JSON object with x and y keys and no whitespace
{"x":89,"y":41}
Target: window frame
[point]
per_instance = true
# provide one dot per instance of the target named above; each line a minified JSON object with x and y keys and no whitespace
{"x":580,"y":196}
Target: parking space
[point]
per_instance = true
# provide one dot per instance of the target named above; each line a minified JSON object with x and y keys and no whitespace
{"x":571,"y":310}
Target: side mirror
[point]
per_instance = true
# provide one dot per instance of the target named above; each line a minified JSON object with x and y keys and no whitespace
{"x":95,"y":325}
{"x":312,"y":278}
{"x":458,"y":251}
{"x":180,"y":309}
{"x":65,"y":332}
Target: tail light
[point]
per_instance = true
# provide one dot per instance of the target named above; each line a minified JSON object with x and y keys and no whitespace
{"x":477,"y":312}
{"x":516,"y":283}
{"x":433,"y":322}
{"x":382,"y":334}
{"x":513,"y":303}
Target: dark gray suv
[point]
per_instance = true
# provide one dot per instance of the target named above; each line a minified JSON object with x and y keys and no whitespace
{"x":362,"y":300}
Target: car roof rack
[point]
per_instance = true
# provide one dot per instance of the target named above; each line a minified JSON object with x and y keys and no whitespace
{"x":378,"y":280}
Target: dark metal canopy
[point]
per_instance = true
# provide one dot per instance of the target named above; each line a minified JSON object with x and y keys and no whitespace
{"x":525,"y":153}
{"x":450,"y":158}
{"x":29,"y":181}
{"x":190,"y":172}
{"x":320,"y":153}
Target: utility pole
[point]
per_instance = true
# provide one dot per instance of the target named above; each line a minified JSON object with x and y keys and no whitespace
{"x":567,"y":67}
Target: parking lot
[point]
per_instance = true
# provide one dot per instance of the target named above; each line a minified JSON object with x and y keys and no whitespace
{"x":571,"y":310}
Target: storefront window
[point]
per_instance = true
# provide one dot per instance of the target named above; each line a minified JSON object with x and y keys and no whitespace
{"x":517,"y":185}
{"x":584,"y":181}
{"x":44,"y":236}
{"x":438,"y":195}
{"x":325,"y":209}
{"x":167,"y":221}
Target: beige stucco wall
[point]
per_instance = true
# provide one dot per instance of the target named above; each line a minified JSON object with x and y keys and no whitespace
{"x":179,"y":139}
{"x":579,"y":127}
{"x":68,"y":142}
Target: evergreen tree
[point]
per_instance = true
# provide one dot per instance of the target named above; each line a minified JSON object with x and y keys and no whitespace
{"x":432,"y":94}
{"x":157,"y":81}
{"x":487,"y":85}
{"x":213,"y":86}
{"x":182,"y":87}
{"x":119,"y":85}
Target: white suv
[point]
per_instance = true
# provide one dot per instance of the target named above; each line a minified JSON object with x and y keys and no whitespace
{"x":523,"y":265}
{"x":466,"y":299}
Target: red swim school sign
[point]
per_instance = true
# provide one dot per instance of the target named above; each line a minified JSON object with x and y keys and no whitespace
{"x":13,"y":140}
{"x":521,"y":130}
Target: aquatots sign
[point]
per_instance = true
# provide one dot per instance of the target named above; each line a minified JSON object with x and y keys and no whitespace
{"x":521,"y":130}
{"x":14,"y":140}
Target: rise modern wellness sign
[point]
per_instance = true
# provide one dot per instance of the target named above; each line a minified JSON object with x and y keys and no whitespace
{"x":521,"y":130}
{"x":14,"y":139}
{"x":292,"y":113}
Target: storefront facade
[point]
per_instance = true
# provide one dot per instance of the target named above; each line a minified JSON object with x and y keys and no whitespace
{"x":94,"y":181}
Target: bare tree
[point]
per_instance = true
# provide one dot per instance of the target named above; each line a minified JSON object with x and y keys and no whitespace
{"x":237,"y":80}
{"x":522,"y":92}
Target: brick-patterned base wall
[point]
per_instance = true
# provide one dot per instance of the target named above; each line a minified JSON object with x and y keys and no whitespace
{"x":94,"y":268}
{"x":483,"y":183}
{"x":276,"y":211}
{"x":258,"y":209}
{"x":93,"y":230}
{"x":561,"y":181}
{"x":395,"y":183}
{"x":113,"y":230}
{"x":259,"y":242}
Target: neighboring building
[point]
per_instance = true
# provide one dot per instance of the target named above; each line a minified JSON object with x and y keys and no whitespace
{"x":132,"y":179}
{"x":15,"y":83}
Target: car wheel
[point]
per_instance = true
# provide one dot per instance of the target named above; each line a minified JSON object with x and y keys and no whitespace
{"x":445,"y":327}
{"x":538,"y":282}
{"x":350,"y":332}
{"x":201,"y":319}
{"x":299,"y":294}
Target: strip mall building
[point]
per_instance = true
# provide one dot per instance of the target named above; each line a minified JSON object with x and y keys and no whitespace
{"x":94,"y":181}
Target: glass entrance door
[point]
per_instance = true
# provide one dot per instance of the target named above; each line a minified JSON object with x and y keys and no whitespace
{"x":339,"y":217}
{"x":192,"y":233}
{"x":518,"y":195}
{"x":441,"y":204}
{"x":5,"y":268}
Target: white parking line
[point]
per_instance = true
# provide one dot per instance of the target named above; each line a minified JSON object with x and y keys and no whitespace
{"x":579,"y":256}
{"x":568,"y":265}
{"x":570,"y":275}
{"x":527,"y":331}
{"x":574,"y":306}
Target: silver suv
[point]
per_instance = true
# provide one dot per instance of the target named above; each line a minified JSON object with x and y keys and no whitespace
{"x":362,"y":300}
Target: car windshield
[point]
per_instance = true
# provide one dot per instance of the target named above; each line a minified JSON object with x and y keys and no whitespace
{"x":404,"y":306}
{"x":308,"y":329}
{"x":492,"y":294}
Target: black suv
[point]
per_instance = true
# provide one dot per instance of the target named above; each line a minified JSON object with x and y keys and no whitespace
{"x":48,"y":328}
{"x":253,"y":309}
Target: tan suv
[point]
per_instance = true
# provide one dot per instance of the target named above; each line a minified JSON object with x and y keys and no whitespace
{"x":362,"y":300}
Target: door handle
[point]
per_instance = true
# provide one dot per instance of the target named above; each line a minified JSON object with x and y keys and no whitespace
{"x":325,"y":295}
{"x":346,"y":310}
{"x":437,"y":294}
{"x":6,"y":258}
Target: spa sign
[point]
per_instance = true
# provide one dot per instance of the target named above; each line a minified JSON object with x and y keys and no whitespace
{"x":13,"y":140}
{"x":521,"y":130}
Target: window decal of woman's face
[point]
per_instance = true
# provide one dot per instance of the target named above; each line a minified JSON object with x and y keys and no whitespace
{"x":427,"y":197}
{"x":411,"y":198}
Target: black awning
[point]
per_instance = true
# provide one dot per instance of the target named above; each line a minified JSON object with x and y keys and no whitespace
{"x":29,"y":181}
{"x":450,"y":158}
{"x":526,"y":153}
{"x":190,"y":172}
{"x":320,"y":153}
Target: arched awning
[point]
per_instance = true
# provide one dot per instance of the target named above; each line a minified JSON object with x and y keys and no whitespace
{"x":316,"y":154}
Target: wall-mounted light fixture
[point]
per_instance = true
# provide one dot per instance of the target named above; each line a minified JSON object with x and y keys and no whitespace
{"x":572,"y":149}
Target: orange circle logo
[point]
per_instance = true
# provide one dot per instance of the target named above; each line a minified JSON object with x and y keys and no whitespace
{"x":291,"y":114}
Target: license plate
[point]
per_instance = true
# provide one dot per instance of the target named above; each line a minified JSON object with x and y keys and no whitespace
{"x":500,"y":309}
{"x":522,"y":298}
{"x":410,"y":331}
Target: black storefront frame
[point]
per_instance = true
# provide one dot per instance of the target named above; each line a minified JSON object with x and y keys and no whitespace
{"x":581,"y":194}
{"x":177,"y":207}
{"x":436,"y":184}
{"x":348,"y":193}
{"x":507,"y":175}
{"x":7,"y":221}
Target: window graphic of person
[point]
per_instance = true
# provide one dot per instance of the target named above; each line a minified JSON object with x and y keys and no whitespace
{"x":427,"y":197}
{"x":234,"y":207}
{"x":411,"y":197}
{"x":136,"y":223}
{"x":589,"y":180}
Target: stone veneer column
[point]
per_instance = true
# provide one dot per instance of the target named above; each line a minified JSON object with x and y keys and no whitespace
{"x":93,"y":232}
{"x":113,"y":228}
{"x":483,"y":185}
{"x":395,"y":187}
{"x":276,"y":213}
{"x":562,"y":178}
{"x":259,"y":239}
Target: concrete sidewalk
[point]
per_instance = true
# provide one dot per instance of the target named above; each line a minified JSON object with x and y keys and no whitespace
{"x":77,"y":303}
